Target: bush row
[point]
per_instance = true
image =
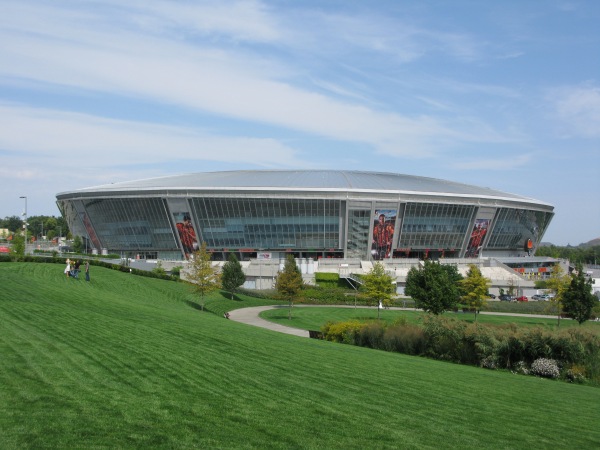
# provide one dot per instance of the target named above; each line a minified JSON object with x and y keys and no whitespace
{"x":572,"y":354}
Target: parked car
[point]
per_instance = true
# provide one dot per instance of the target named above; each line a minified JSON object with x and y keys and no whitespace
{"x":491,"y":296}
{"x":537,"y":297}
{"x":522,"y":298}
{"x":506,"y":298}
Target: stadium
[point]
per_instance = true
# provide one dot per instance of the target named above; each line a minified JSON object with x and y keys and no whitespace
{"x":331,"y":218}
{"x":309,"y":213}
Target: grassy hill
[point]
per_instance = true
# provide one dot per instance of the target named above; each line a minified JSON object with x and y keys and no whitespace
{"x":131,"y":362}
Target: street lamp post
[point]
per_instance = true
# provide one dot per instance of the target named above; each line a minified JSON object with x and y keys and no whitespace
{"x":25,"y":221}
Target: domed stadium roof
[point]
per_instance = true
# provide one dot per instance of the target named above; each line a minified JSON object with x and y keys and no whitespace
{"x":303,"y":180}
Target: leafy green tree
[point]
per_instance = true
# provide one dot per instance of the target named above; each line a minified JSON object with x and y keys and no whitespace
{"x":202,"y":274}
{"x":289,"y":282}
{"x":379,"y":285}
{"x":578,"y":300}
{"x":17,"y":249}
{"x":557,"y":284}
{"x":13,"y":223}
{"x":433,"y":286}
{"x":232,"y":275}
{"x":77,"y":244}
{"x":475,"y":288}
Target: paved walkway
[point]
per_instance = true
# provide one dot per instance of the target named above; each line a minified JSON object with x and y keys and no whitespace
{"x":250,"y":316}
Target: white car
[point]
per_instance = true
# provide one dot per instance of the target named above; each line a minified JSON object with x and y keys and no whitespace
{"x":542,"y":297}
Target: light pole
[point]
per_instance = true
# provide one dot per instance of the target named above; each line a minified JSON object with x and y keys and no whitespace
{"x":25,"y":221}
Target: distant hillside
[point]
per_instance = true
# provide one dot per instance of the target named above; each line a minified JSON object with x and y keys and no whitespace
{"x":592,"y":243}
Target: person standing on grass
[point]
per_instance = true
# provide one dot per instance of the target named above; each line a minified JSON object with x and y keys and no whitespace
{"x":68,"y":268}
{"x":76,"y":268}
{"x":87,"y":271}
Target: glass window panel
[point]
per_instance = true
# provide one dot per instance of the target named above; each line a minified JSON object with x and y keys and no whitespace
{"x":513,"y":227}
{"x":437,"y":225}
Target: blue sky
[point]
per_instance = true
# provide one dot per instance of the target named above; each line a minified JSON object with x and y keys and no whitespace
{"x":498,"y":94}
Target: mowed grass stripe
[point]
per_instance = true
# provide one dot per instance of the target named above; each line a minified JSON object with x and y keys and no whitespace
{"x":125,"y":361}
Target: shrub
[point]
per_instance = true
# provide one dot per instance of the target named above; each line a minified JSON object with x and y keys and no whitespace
{"x":343,"y":332}
{"x":176,"y":271}
{"x":527,"y":351}
{"x":510,"y":349}
{"x":405,"y":338}
{"x":575,"y":374}
{"x":328,"y":279}
{"x":522,"y":368}
{"x":326,"y":296}
{"x":371,"y":335}
{"x":489,"y":362}
{"x":544,"y":367}
{"x":443,"y":337}
{"x":479,"y":344}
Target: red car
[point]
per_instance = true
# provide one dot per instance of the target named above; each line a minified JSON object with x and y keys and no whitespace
{"x":522,"y":298}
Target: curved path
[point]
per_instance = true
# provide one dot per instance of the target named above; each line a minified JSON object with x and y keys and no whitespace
{"x":250,"y":316}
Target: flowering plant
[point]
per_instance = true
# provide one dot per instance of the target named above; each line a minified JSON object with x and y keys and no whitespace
{"x":544,"y":367}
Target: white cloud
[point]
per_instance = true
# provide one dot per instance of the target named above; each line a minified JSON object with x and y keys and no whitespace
{"x":50,"y":138}
{"x":579,"y":108}
{"x":226,"y":83}
{"x":499,"y":164}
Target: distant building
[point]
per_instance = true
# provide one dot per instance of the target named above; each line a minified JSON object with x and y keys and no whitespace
{"x":308,"y":213}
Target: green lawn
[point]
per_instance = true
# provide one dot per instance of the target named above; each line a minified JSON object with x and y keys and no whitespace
{"x":312,"y":318}
{"x":131,"y":362}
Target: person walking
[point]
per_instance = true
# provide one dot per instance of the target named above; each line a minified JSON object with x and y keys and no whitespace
{"x":87,"y":271}
{"x":68,"y":268}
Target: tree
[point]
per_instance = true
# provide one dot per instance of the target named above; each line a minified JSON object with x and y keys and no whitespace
{"x":379,"y":285}
{"x":557,"y":284}
{"x":289,"y":282}
{"x":13,"y":223}
{"x":78,"y":244}
{"x":578,"y":300}
{"x":232,"y":275}
{"x":433,"y":286}
{"x":202,"y":274}
{"x":475,"y":288}
{"x":17,"y":249}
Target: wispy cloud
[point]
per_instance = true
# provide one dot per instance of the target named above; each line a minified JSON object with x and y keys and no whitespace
{"x":201,"y":78}
{"x":495,"y":164}
{"x":42,"y":137}
{"x":579,"y":109}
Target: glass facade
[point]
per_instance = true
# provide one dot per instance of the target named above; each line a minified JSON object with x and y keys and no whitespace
{"x":435,"y":225}
{"x":513,"y":227}
{"x":268,"y":223}
{"x":132,"y":224}
{"x":307,"y":227}
{"x":359,"y":221}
